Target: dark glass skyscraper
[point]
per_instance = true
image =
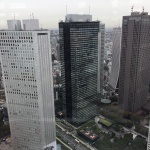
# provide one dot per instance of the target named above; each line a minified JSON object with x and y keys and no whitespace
{"x":135,"y":61}
{"x":79,"y":64}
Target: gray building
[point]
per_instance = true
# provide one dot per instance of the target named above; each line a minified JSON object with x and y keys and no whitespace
{"x":79,"y":64}
{"x":27,"y":72}
{"x":135,"y":61}
{"x":101,"y":44}
{"x":116,"y":51}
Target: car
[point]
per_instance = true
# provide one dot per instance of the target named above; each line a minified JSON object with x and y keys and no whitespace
{"x":4,"y":140}
{"x":77,"y":141}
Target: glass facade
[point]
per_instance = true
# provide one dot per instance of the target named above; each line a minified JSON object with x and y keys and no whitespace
{"x":79,"y":63}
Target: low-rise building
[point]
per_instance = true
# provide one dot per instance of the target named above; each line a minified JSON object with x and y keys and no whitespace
{"x":88,"y":135}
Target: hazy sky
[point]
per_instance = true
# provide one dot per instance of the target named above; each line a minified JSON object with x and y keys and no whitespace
{"x":49,"y":12}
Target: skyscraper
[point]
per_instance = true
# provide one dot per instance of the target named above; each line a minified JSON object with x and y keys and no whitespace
{"x":116,"y":50}
{"x":79,"y":66}
{"x":135,"y":61}
{"x":27,"y":72}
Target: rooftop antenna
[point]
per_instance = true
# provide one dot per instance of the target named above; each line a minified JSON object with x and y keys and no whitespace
{"x":30,"y":16}
{"x":41,"y":27}
{"x":66,"y":10}
{"x":33,"y":16}
{"x":89,"y":10}
{"x":143,"y":9}
{"x":132,"y":8}
{"x":14,"y":17}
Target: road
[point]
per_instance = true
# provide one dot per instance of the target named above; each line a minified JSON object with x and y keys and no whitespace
{"x":70,"y":140}
{"x":134,"y":132}
{"x":3,"y":146}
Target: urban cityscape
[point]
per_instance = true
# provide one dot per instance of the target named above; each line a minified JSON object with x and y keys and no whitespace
{"x":83,"y":85}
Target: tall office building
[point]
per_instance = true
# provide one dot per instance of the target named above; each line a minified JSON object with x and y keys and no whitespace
{"x":27,"y":72}
{"x":79,"y":66}
{"x":135,"y":61}
{"x":116,"y":51}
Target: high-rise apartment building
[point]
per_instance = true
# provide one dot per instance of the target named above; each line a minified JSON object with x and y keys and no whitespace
{"x":79,"y":65}
{"x":116,"y":50}
{"x":135,"y":61}
{"x":27,"y":72}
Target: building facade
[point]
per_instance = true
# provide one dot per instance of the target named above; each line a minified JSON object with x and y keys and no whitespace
{"x":101,"y":44}
{"x":27,"y":72}
{"x":79,"y":66}
{"x":135,"y":60}
{"x":116,"y":51}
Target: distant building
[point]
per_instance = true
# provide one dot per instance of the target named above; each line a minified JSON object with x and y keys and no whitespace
{"x":58,"y":51}
{"x":116,"y":51}
{"x":31,"y":24}
{"x":27,"y":72}
{"x":101,"y":44}
{"x":135,"y":61}
{"x":14,"y":25}
{"x":80,"y":59}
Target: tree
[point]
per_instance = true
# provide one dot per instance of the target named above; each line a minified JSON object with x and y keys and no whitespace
{"x":106,"y":68}
{"x":114,"y":98}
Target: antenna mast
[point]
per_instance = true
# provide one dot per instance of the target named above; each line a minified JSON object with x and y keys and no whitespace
{"x":89,"y":10}
{"x":132,"y":8}
{"x":33,"y":16}
{"x":66,"y":10}
{"x":143,"y":9}
{"x":14,"y":17}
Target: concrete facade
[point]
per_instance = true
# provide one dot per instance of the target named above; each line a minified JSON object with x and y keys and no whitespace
{"x":27,"y":71}
{"x":135,"y":61}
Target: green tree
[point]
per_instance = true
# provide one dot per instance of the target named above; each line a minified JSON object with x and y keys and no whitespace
{"x":106,"y":68}
{"x":113,"y":98}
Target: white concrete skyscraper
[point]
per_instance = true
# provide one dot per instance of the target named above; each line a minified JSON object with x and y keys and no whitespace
{"x":27,"y":72}
{"x":116,"y":51}
{"x":101,"y":43}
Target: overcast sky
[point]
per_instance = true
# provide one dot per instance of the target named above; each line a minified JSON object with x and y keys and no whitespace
{"x":49,"y":12}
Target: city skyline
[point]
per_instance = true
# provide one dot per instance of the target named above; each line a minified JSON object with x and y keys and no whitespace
{"x":43,"y":10}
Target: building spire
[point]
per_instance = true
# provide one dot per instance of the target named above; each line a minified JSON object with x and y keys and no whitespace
{"x":66,"y":9}
{"x":132,"y":8}
{"x":143,"y":9}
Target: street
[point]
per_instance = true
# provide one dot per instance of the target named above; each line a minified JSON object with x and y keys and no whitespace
{"x":70,"y":140}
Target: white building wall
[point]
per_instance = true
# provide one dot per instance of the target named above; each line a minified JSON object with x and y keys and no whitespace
{"x":116,"y":51}
{"x":100,"y":77}
{"x":27,"y":71}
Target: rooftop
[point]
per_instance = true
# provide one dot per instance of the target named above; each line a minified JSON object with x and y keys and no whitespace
{"x":105,"y":122}
{"x":89,"y":134}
